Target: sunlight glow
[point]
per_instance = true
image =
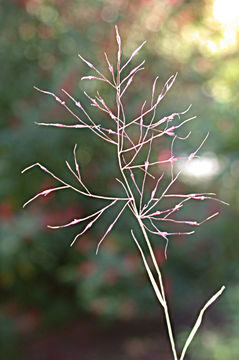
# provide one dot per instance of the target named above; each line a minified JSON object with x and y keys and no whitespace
{"x":226,"y":12}
{"x":200,"y":169}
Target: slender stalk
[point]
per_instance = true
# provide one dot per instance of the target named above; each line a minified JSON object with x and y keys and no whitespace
{"x":165,"y":307}
{"x":199,"y":320}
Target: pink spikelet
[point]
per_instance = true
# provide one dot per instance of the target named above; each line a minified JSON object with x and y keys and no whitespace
{"x":118,"y":39}
{"x":45,"y":193}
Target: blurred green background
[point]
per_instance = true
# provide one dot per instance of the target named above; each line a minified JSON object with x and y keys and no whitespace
{"x":67,"y":303}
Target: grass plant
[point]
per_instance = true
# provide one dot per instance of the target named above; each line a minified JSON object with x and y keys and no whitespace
{"x":132,"y":138}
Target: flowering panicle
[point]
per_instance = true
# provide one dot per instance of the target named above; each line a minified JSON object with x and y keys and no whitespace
{"x":129,"y":145}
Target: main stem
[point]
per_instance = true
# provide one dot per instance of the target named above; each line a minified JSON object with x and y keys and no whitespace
{"x":165,"y":307}
{"x":161,"y":286}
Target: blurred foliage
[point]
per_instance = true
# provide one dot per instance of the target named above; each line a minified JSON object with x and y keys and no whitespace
{"x":40,"y":275}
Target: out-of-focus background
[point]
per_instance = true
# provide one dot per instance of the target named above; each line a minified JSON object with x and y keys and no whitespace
{"x":59,"y":302}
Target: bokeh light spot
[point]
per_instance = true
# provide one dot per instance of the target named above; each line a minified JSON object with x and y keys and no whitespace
{"x":199,"y":169}
{"x":226,"y":12}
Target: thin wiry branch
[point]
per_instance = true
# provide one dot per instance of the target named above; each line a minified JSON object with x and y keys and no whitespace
{"x":70,"y":186}
{"x":111,"y":226}
{"x":77,"y":221}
